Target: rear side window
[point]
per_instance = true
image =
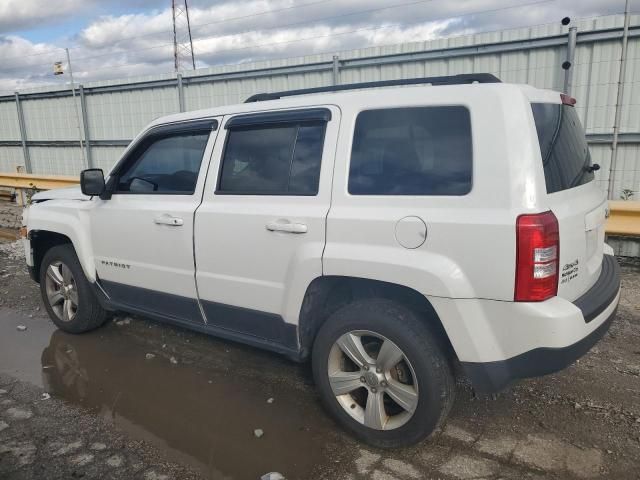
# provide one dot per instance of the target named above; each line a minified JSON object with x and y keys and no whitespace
{"x":279,"y":159}
{"x":412,"y":151}
{"x":563,"y":146}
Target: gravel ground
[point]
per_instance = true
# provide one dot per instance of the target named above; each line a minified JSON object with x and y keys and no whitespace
{"x":10,"y":215}
{"x":43,"y":437}
{"x":181,"y":404}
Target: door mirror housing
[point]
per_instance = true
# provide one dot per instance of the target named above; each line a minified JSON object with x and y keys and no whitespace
{"x":92,"y":182}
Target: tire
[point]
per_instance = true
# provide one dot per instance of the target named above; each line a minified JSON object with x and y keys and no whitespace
{"x":424,"y":373}
{"x":87,"y":314}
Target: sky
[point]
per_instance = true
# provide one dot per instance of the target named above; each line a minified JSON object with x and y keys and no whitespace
{"x":110,"y":39}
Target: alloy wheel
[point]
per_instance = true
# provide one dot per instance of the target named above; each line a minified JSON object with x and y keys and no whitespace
{"x":373,"y":380}
{"x":62,"y":292}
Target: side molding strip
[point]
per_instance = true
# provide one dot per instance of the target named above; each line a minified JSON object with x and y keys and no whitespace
{"x":152,"y":301}
{"x":268,"y":326}
{"x":252,"y":327}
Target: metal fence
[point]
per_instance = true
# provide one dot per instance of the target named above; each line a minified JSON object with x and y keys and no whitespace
{"x":39,"y":127}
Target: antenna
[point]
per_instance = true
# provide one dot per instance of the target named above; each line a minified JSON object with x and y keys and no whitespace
{"x":182,"y":41}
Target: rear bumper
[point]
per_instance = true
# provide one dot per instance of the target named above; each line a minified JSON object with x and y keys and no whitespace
{"x":596,"y":308}
{"x":604,"y":291}
{"x":493,"y":377}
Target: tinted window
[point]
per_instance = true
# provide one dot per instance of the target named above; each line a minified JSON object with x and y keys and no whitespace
{"x":412,"y":151}
{"x":305,"y":166}
{"x":167,"y":165}
{"x":273,"y":159}
{"x":565,"y":154}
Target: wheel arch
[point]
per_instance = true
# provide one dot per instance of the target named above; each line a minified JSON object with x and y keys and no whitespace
{"x":41,"y":242}
{"x":327,"y":294}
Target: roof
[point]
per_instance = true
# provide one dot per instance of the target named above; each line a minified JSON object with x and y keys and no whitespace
{"x":359,"y":96}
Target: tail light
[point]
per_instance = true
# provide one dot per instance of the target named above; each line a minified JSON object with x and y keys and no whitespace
{"x":537,"y":254}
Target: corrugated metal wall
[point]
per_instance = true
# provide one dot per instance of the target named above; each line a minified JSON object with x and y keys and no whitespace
{"x":121,"y":115}
{"x":9,"y":128}
{"x":10,"y":158}
{"x":117,"y":110}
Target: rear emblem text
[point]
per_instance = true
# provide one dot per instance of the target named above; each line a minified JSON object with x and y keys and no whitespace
{"x":569,"y":271}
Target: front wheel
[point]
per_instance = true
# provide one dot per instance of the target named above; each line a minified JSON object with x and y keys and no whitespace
{"x":66,"y":292}
{"x":382,"y":374}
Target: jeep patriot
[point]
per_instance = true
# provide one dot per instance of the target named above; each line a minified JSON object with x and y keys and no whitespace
{"x":386,"y":234}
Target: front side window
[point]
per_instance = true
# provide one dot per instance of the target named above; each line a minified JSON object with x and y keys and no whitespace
{"x":166,"y":165}
{"x":412,"y":151}
{"x":281,"y":159}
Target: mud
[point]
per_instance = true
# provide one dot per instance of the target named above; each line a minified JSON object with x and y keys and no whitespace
{"x":200,"y":411}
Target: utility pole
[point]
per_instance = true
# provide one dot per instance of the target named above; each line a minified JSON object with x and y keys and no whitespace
{"x":571,"y":53}
{"x":75,"y":105}
{"x":618,"y":115}
{"x":182,"y":40}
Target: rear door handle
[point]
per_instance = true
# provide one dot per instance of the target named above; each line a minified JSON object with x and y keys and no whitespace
{"x":286,"y":227}
{"x":168,"y":220}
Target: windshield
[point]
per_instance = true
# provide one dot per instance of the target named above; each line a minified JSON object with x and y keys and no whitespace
{"x":565,"y":154}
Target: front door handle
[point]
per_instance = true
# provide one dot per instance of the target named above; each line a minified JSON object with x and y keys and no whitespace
{"x":286,"y":227}
{"x":168,"y":220}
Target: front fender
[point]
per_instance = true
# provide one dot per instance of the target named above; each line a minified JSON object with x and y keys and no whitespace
{"x":71,"y":219}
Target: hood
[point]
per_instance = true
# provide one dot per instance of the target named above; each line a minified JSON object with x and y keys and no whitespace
{"x":68,"y":193}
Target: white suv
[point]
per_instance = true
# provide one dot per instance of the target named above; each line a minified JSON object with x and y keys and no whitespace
{"x":387,"y":234}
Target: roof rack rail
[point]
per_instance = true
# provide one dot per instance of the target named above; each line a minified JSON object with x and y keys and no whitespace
{"x":444,"y":80}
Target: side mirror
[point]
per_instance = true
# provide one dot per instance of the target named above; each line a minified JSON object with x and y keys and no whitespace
{"x":92,"y":181}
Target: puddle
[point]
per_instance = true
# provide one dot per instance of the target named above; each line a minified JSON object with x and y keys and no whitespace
{"x":203,"y":413}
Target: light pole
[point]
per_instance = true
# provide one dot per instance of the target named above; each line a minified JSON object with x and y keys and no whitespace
{"x":75,"y":105}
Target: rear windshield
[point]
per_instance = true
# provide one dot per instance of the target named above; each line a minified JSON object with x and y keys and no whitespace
{"x":565,"y":154}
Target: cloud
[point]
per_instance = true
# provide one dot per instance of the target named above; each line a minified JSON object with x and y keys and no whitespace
{"x":22,"y":62}
{"x":228,"y":31}
{"x":112,"y":31}
{"x":21,"y":14}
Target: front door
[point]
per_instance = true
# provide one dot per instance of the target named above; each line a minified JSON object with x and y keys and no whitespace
{"x":143,"y":235}
{"x":260,"y":231}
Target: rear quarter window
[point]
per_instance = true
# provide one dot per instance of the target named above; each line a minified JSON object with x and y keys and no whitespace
{"x":563,"y":146}
{"x":412,"y":151}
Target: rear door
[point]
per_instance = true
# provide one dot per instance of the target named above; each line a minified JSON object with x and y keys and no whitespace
{"x":260,"y":231}
{"x":573,"y":195}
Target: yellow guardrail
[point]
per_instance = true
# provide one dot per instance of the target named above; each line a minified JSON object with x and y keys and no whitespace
{"x":40,"y":182}
{"x":624,"y":218}
{"x":26,"y":181}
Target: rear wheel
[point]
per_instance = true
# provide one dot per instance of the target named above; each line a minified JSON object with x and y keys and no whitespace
{"x":382,"y":374}
{"x":66,"y":292}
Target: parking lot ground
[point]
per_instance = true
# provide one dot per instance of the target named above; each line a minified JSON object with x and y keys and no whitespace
{"x":137,"y":399}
